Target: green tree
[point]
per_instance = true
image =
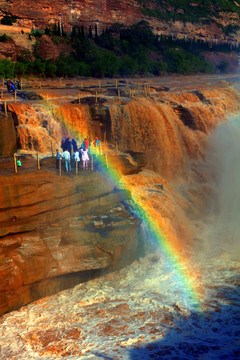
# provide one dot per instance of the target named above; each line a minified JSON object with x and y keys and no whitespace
{"x":39,"y":67}
{"x":157,"y":67}
{"x":67,"y":66}
{"x":51,"y":69}
{"x":128,"y":66}
{"x":223,"y":66}
{"x":90,"y":35}
{"x":8,"y":20}
{"x":96,"y":33}
{"x":20,"y":69}
{"x":6,"y":68}
{"x":74,"y":32}
{"x":82,"y":33}
{"x":84,"y":69}
{"x":106,"y":65}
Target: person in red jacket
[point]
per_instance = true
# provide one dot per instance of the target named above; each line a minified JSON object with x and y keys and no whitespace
{"x":86,"y":143}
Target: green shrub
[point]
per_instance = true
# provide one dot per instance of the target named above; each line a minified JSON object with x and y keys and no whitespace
{"x":6,"y":68}
{"x":37,"y":32}
{"x":223,"y":66}
{"x":67,"y":66}
{"x":50,"y":69}
{"x":106,"y":65}
{"x":84,"y":69}
{"x":157,"y":67}
{"x":8,"y":20}
{"x":128,"y":66}
{"x":20,"y":69}
{"x":5,"y":38}
{"x":183,"y":62}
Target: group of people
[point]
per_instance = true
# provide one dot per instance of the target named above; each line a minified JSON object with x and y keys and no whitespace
{"x":72,"y":155}
{"x":12,"y":86}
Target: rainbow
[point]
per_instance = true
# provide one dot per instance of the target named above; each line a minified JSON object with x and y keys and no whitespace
{"x":186,"y":276}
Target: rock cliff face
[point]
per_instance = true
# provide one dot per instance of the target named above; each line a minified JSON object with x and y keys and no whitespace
{"x":83,"y":12}
{"x":106,"y":13}
{"x":52,"y":225}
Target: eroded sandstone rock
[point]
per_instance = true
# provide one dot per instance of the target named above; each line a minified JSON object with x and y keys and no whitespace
{"x":53,"y":225}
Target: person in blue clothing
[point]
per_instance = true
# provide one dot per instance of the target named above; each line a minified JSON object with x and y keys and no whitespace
{"x":58,"y":157}
{"x":74,"y":144}
{"x":13,"y":87}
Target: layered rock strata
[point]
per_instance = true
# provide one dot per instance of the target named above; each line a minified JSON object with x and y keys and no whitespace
{"x":52,"y":225}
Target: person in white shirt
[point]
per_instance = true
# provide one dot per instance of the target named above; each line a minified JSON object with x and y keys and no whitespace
{"x":76,"y":158}
{"x":67,"y":159}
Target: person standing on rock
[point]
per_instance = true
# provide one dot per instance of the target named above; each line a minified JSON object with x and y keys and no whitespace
{"x":19,"y":163}
{"x":96,"y":144}
{"x":85,"y":159}
{"x":12,"y":87}
{"x":74,"y":144}
{"x":8,"y":85}
{"x":86,"y":143}
{"x":76,"y":158}
{"x":67,"y":158}
{"x":63,"y":145}
{"x":58,"y":157}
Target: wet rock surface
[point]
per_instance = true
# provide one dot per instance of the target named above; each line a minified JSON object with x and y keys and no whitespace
{"x":52,"y":225}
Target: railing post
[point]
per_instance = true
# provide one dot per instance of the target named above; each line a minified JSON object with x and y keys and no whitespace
{"x":92,"y":162}
{"x":38,"y":162}
{"x":60,"y":166}
{"x":15,"y":163}
{"x":106,"y":159}
{"x":5,"y":108}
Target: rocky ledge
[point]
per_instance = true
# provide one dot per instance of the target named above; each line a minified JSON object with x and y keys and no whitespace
{"x":56,"y":231}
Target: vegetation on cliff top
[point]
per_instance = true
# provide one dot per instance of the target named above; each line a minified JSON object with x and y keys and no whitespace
{"x":117,"y":51}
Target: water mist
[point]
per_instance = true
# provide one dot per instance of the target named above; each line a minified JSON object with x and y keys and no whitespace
{"x":222,"y":233}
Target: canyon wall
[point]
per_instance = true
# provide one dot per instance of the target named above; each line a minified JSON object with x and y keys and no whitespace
{"x":58,"y":230}
{"x":106,"y":13}
{"x":53,"y":225}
